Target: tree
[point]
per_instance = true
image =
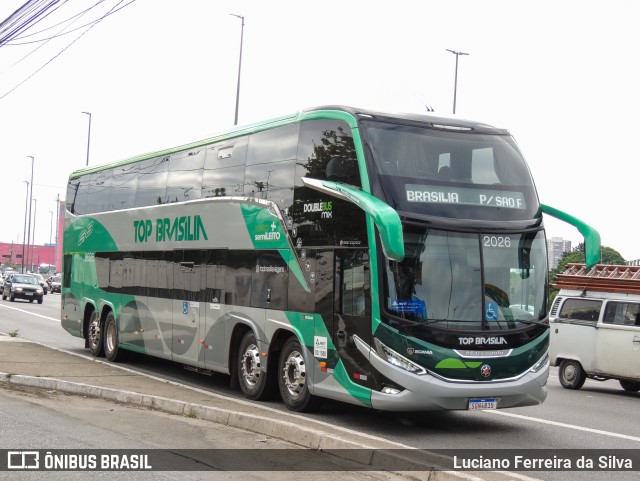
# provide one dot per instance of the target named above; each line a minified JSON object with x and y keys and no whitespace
{"x":608,"y":255}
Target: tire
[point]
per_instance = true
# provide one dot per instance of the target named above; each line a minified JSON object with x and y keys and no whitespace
{"x":95,"y":330}
{"x":30,"y":300}
{"x":111,"y":350}
{"x":255,"y":383}
{"x":292,"y":379}
{"x":630,"y":386}
{"x":571,"y":374}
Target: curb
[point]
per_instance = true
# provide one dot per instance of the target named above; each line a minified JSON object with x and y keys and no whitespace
{"x":303,"y":436}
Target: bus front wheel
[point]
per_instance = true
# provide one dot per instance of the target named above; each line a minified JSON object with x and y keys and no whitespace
{"x":571,"y":374}
{"x":254,"y":382}
{"x":94,"y":335}
{"x":111,"y":350}
{"x":292,"y":378}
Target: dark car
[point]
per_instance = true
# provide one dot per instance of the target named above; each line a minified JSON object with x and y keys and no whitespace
{"x":22,"y":286}
{"x":54,"y":283}
{"x":42,"y":282}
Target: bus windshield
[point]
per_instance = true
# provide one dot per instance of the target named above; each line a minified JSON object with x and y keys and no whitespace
{"x":463,"y":281}
{"x":451,"y":173}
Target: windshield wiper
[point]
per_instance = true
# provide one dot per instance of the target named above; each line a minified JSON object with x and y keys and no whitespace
{"x":527,"y":321}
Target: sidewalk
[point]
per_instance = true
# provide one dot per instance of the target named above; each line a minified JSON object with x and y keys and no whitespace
{"x":30,"y":364}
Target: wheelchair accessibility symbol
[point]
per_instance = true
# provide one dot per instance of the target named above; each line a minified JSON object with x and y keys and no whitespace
{"x":491,"y":311}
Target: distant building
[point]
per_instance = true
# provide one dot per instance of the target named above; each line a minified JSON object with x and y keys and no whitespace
{"x":634,"y":262}
{"x":11,"y":256}
{"x":556,"y":246}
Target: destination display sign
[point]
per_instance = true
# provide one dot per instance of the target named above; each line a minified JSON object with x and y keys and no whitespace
{"x":464,"y":196}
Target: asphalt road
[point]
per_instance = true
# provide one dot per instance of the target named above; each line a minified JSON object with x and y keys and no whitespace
{"x":43,"y":420}
{"x":599,"y":416}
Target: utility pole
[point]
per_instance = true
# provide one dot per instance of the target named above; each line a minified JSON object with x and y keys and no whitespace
{"x":239,"y":66}
{"x":455,"y":85}
{"x":88,"y":136}
{"x":30,"y":202}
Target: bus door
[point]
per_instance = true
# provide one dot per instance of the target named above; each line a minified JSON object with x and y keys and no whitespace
{"x":352,"y":311}
{"x":213,"y":350}
{"x":187,"y":270}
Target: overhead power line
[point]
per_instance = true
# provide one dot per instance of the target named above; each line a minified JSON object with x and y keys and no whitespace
{"x":16,"y":23}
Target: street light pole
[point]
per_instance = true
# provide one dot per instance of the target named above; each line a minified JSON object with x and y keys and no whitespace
{"x":30,"y":202}
{"x":88,"y":136}
{"x":239,"y":65}
{"x":455,"y":85}
{"x":57,"y":224}
{"x":24,"y":230}
{"x":33,"y":239}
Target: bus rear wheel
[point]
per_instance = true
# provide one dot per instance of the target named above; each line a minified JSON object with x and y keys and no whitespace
{"x":94,"y":335}
{"x":111,"y":350}
{"x":254,"y":381}
{"x":630,"y":386}
{"x":571,"y":374}
{"x":292,"y":378}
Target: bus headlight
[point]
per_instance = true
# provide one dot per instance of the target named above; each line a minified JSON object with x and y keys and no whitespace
{"x":540,"y":364}
{"x":392,"y":357}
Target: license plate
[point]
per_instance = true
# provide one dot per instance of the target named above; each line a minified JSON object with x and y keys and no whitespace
{"x":475,"y":404}
{"x":28,"y":293}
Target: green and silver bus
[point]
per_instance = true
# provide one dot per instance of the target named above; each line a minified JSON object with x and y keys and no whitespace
{"x":392,"y":261}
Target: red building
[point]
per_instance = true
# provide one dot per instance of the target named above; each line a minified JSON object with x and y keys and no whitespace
{"x":35,"y":255}
{"x":11,"y":255}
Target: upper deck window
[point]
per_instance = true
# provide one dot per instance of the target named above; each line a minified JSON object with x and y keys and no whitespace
{"x":451,"y":173}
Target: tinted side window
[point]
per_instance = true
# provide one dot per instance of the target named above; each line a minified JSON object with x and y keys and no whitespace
{"x":73,"y":191}
{"x":326,"y":151}
{"x":102,"y":269}
{"x":224,"y":169}
{"x":581,"y":310}
{"x":185,"y":175}
{"x":273,"y":145}
{"x":269,"y":283}
{"x":152,"y":182}
{"x":123,"y":186}
{"x":215,"y":276}
{"x":100,"y":191}
{"x":273,"y":181}
{"x":240,"y":264}
{"x":622,"y":313}
{"x":186,"y":275}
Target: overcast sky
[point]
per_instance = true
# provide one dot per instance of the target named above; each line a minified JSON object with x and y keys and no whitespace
{"x":561,"y":76}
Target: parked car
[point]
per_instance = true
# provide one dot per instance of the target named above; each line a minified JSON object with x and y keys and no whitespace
{"x":42,"y":282}
{"x":54,"y":283}
{"x":22,"y":286}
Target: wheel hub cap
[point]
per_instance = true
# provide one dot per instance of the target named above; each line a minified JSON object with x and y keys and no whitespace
{"x":251,"y":365}
{"x":294,"y":373}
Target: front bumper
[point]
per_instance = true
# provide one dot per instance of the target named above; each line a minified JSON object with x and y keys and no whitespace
{"x":27,"y":296}
{"x":429,"y":393}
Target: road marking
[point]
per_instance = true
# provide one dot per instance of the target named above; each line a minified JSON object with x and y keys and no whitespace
{"x":29,"y":312}
{"x":564,"y":425}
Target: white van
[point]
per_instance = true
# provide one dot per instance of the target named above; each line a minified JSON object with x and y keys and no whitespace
{"x":595,"y":333}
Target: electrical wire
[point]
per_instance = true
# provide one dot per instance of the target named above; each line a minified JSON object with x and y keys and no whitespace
{"x":48,"y":4}
{"x":80,"y":14}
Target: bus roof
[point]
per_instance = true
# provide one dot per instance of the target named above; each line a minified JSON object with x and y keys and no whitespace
{"x":349,"y":114}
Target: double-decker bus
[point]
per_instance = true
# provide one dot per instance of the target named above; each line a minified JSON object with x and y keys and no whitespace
{"x":393,"y":261}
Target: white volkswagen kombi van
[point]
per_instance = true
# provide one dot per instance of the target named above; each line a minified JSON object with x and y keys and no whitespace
{"x":595,"y":326}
